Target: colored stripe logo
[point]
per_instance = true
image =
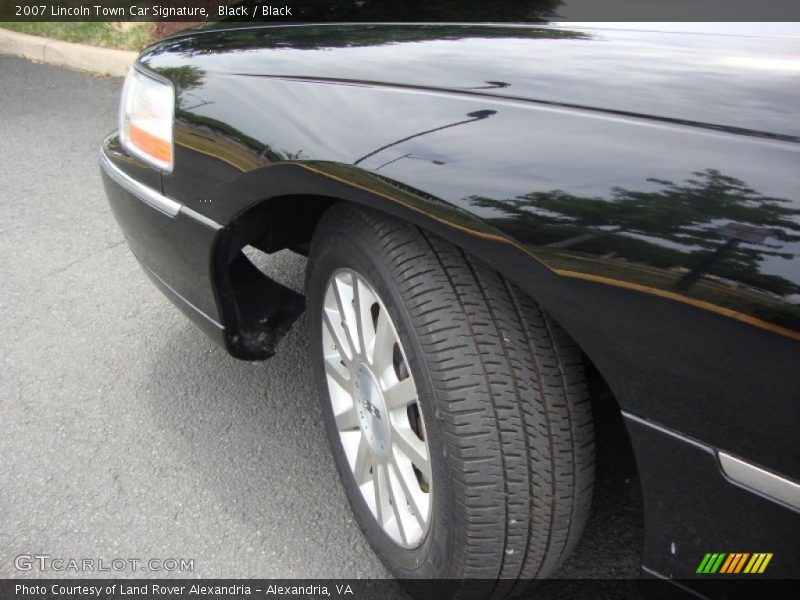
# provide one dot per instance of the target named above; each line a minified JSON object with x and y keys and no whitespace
{"x":734,"y":563}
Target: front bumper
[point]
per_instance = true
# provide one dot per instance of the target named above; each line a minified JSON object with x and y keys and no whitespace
{"x":173,"y":243}
{"x":196,"y":262}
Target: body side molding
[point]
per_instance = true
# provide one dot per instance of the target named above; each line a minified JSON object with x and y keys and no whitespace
{"x":765,"y":482}
{"x":153,"y":197}
{"x":743,"y":473}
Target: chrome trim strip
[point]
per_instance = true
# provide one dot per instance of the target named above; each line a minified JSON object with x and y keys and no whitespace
{"x":742,"y":473}
{"x":765,"y":482}
{"x":141,"y":191}
{"x":193,"y":214}
{"x":156,"y":199}
{"x":666,"y":431}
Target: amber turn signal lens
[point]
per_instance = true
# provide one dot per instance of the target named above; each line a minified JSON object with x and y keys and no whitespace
{"x":149,"y":144}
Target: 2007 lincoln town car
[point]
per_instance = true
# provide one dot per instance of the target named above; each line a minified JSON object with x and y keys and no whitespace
{"x":494,"y":215}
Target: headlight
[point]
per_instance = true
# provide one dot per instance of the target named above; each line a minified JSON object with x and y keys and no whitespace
{"x":146,"y":116}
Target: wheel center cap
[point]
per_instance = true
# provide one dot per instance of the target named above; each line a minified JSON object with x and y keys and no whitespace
{"x":371,"y":409}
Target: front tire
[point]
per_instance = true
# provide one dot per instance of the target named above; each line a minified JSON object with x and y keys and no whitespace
{"x":491,"y":447}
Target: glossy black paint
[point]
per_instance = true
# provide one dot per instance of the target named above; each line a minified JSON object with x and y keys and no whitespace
{"x":175,"y":251}
{"x":642,"y":186}
{"x":536,"y":165}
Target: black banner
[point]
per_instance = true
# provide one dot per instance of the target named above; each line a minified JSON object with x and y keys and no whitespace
{"x":462,"y":11}
{"x":384,"y":589}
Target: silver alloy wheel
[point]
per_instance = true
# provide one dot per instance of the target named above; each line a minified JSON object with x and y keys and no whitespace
{"x":374,"y":400}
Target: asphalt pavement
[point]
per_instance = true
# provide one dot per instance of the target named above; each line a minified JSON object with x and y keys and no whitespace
{"x":124,"y":433}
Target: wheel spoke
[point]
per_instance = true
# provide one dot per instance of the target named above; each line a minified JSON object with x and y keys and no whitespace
{"x":359,"y":311}
{"x":348,"y":316}
{"x":366,"y":299}
{"x":414,"y":448}
{"x":332,"y":371}
{"x":383,"y":346}
{"x":381,"y":494}
{"x":347,"y":419}
{"x":398,"y":504}
{"x":337,"y":337}
{"x":350,"y":443}
{"x":412,"y":498}
{"x":363,"y":462}
{"x":400,"y":394}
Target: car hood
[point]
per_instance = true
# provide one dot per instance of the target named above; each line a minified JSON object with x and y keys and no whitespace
{"x":741,"y":77}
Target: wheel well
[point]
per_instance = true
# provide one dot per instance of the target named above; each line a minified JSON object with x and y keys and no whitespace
{"x":258,"y":311}
{"x":283,"y":222}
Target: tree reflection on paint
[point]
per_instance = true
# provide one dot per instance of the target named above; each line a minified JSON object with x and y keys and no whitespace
{"x":710,"y":227}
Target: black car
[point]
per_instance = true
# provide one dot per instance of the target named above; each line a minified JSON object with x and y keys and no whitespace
{"x":494,"y":216}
